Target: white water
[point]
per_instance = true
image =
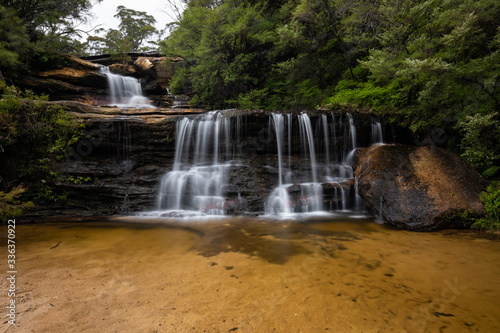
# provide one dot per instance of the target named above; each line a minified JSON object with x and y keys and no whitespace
{"x":313,"y":175}
{"x":200,"y":168}
{"x":299,"y":194}
{"x":125,"y":91}
{"x":377,"y":135}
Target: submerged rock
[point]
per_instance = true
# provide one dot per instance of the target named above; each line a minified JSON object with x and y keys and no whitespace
{"x":417,"y":188}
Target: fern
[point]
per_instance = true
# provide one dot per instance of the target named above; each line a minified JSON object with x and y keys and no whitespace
{"x":490,"y":172}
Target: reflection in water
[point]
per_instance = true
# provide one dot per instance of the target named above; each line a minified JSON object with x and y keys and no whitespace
{"x":254,"y":275}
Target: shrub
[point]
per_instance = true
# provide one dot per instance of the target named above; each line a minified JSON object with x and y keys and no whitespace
{"x":42,"y":131}
{"x":491,"y":199}
{"x":480,"y":143}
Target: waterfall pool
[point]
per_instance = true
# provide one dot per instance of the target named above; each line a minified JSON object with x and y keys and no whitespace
{"x":244,"y":274}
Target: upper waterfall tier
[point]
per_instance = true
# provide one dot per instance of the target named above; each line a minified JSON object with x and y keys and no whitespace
{"x":125,"y":91}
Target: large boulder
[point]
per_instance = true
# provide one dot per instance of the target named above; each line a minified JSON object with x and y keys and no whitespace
{"x":417,"y":188}
{"x":143,"y":64}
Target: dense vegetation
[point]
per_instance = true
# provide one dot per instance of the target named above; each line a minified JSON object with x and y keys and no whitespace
{"x":429,"y":65}
{"x":33,"y":35}
{"x":33,"y":133}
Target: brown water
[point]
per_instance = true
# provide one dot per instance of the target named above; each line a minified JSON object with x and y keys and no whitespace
{"x":248,"y":275}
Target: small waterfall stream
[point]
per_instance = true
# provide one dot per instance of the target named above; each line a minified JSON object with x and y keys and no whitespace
{"x":125,"y":91}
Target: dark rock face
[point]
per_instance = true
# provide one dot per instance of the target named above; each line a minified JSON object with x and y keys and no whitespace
{"x":417,"y":188}
{"x":119,"y":166}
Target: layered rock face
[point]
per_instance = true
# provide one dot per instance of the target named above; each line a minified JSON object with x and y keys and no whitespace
{"x":128,"y":151}
{"x":417,"y":188}
{"x":82,"y":80}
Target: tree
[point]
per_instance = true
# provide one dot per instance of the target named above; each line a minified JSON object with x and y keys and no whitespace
{"x":134,"y":29}
{"x":438,"y":62}
{"x":33,"y":33}
{"x":13,"y":40}
{"x":229,"y":43}
{"x":51,"y":18}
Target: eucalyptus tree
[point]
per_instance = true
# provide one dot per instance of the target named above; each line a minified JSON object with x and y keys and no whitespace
{"x":135,"y":28}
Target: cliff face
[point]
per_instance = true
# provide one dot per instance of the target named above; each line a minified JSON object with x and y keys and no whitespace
{"x":82,"y":80}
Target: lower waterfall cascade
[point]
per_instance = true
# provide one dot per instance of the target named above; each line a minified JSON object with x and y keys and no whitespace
{"x":308,"y":165}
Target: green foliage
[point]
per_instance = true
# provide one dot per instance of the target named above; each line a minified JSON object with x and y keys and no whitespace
{"x":35,"y":133}
{"x":481,"y":140}
{"x":491,"y":199}
{"x":34,"y":33}
{"x":47,"y":20}
{"x":13,"y":38}
{"x":10,"y":206}
{"x":179,"y":82}
{"x":436,"y":60}
{"x":490,"y":172}
{"x":370,"y":94}
{"x":134,"y":29}
{"x":257,"y":54}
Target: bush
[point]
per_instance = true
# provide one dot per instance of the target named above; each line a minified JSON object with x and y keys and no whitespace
{"x":10,"y":206}
{"x":368,"y":93}
{"x":491,"y":199}
{"x":42,"y":131}
{"x":480,"y":143}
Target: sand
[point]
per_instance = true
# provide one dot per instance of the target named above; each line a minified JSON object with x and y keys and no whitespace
{"x":248,"y":275}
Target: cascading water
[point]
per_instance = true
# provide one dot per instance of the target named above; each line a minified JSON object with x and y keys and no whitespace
{"x":202,"y":157}
{"x":125,"y":91}
{"x":377,"y":134}
{"x":324,"y":184}
{"x":307,"y":157}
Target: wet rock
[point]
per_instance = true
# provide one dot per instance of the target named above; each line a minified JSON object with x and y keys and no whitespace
{"x":229,"y":190}
{"x":75,"y":76}
{"x":119,"y":166}
{"x":417,"y":188}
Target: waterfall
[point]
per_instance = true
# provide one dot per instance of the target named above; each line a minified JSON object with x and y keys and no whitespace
{"x":278,"y":122}
{"x":351,"y":133}
{"x":377,"y":135}
{"x":198,"y":176}
{"x":125,"y":91}
{"x":306,"y":162}
{"x":326,"y":183}
{"x":126,"y":164}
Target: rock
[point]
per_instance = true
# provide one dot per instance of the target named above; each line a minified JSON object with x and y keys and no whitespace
{"x":83,"y":64}
{"x":123,"y":69}
{"x":164,"y":71}
{"x":230,"y":190}
{"x":417,"y":188}
{"x":63,"y":90}
{"x":126,"y":151}
{"x":143,"y":64}
{"x":75,"y":76}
